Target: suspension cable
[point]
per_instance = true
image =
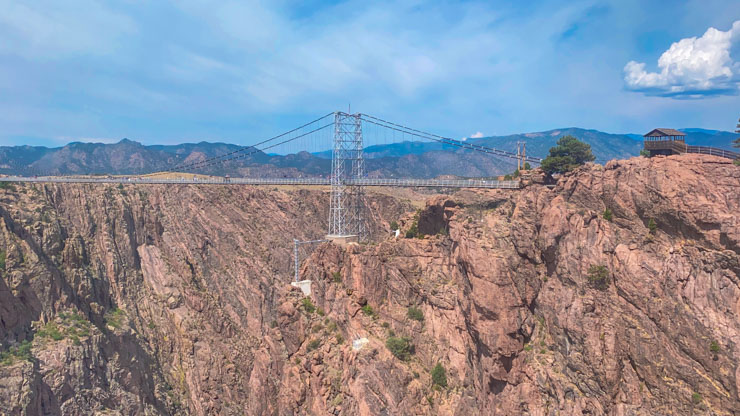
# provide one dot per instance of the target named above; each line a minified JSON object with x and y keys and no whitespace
{"x":445,"y":140}
{"x":195,"y":165}
{"x":257,"y":150}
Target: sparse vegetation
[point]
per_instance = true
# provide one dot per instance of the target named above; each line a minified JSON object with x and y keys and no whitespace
{"x":2,"y":260}
{"x":385,"y":325}
{"x":7,"y":185}
{"x":645,"y":153}
{"x":313,"y":345}
{"x":368,"y":310}
{"x":115,"y":318}
{"x":339,"y":338}
{"x":508,"y":177}
{"x":317,"y":328}
{"x":568,"y":154}
{"x":607,"y":214}
{"x":696,"y":398}
{"x":308,"y":306}
{"x":415,"y":313}
{"x":439,"y":375}
{"x":69,"y":325}
{"x":50,"y":330}
{"x":320,"y":312}
{"x":331,"y":326}
{"x":652,"y":226}
{"x":401,"y":347}
{"x":336,"y":277}
{"x":714,"y":347}
{"x":413,"y":231}
{"x":394,"y":225}
{"x":598,"y":277}
{"x":21,"y":352}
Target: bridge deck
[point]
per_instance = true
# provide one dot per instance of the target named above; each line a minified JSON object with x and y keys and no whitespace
{"x":408,"y":183}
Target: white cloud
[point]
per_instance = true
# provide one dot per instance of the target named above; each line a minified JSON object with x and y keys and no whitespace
{"x":691,"y":67}
{"x":476,"y":135}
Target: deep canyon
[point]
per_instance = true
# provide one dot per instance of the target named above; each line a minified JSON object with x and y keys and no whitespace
{"x":615,"y":292}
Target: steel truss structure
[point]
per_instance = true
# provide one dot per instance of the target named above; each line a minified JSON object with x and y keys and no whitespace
{"x":346,"y":205}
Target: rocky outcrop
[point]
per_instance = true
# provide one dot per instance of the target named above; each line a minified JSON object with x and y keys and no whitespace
{"x":616,"y":292}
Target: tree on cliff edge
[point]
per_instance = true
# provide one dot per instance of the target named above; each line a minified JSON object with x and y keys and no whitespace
{"x":736,"y":143}
{"x":568,"y":154}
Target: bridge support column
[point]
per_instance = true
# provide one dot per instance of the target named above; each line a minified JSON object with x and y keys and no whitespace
{"x":347,"y":201}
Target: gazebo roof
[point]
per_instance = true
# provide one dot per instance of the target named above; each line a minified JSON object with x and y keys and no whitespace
{"x":664,"y":133}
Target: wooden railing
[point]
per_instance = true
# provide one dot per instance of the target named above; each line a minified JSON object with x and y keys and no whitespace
{"x":681,"y":147}
{"x":674,"y":145}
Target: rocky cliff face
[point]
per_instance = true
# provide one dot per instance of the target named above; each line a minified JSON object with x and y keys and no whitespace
{"x":614,"y":293}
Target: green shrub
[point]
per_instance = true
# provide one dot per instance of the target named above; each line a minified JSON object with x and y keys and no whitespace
{"x":336,"y":277}
{"x":331,"y":326}
{"x":527,"y":166}
{"x":401,"y":347}
{"x":696,"y":398}
{"x":115,"y":318}
{"x":21,"y":352}
{"x":385,"y":325}
{"x":51,"y":330}
{"x":368,"y":310}
{"x":415,"y":313}
{"x":313,"y":345}
{"x":645,"y":153}
{"x":339,"y":338}
{"x":439,"y":375}
{"x":607,"y":214}
{"x":413,"y":231}
{"x":320,"y":312}
{"x":317,"y":328}
{"x":394,"y":226}
{"x":598,"y":277}
{"x":736,"y":162}
{"x":652,"y":226}
{"x":507,"y":177}
{"x":308,"y":305}
{"x":714,"y":347}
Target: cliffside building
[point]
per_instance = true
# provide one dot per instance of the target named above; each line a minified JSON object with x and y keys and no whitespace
{"x":665,"y":142}
{"x":672,"y":142}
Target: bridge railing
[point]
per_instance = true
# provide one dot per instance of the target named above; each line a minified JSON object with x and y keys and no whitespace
{"x":428,"y":183}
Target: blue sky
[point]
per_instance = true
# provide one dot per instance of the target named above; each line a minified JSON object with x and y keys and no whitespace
{"x":169,"y":72}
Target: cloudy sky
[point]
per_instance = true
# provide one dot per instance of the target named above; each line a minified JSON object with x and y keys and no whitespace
{"x":235,"y":71}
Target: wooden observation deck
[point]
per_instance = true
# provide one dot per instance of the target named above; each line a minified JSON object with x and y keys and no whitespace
{"x":672,"y":142}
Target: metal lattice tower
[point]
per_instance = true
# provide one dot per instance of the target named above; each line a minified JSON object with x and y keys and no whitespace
{"x":347,"y":201}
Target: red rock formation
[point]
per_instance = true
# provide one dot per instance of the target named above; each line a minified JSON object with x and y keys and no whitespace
{"x":508,"y":284}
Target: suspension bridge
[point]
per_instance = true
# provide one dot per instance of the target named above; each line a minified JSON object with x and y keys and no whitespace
{"x":350,"y":141}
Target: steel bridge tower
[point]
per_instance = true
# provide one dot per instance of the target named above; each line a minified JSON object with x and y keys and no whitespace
{"x":346,"y":206}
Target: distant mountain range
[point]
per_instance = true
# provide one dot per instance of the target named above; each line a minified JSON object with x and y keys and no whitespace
{"x":407,"y":159}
